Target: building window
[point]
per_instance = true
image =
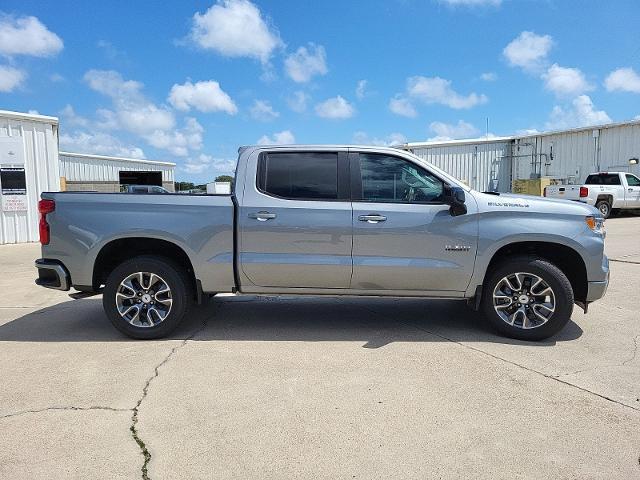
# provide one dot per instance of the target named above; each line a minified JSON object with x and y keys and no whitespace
{"x":13,"y":181}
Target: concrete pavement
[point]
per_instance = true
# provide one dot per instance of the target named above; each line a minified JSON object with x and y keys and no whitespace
{"x":254,"y":387}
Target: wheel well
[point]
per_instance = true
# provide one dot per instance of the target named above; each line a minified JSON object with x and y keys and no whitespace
{"x":122,"y":249}
{"x":563,"y":257}
{"x":607,"y":198}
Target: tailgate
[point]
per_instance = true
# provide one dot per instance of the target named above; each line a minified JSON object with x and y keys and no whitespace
{"x":566,"y":192}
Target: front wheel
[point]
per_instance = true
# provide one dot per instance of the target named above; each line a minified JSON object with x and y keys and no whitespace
{"x":527,"y":298}
{"x":147,"y":297}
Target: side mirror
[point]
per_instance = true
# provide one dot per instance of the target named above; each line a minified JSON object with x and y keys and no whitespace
{"x":454,"y":196}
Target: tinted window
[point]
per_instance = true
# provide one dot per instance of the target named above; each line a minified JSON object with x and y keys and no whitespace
{"x":394,"y":180}
{"x":603,"y":179}
{"x":633,"y":181}
{"x":299,"y":175}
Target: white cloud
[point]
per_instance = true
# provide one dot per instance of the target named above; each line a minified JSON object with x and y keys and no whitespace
{"x":581,"y":113}
{"x":362,"y":138}
{"x":179,"y":142}
{"x":402,"y":106}
{"x":472,"y":3}
{"x":623,"y":80}
{"x":56,"y":77}
{"x":335,"y":108}
{"x":98,"y":143}
{"x":438,"y":90}
{"x":27,"y":36}
{"x":305,"y":63}
{"x":279,"y":138}
{"x":447,"y":131}
{"x":489,"y":76}
{"x":527,"y":131}
{"x":235,"y":28}
{"x":133,"y":112}
{"x":70,"y":117}
{"x":203,"y":96}
{"x":263,"y":111}
{"x":11,"y":78}
{"x":565,"y":81}
{"x":207,"y":163}
{"x":361,"y":89}
{"x":298,"y":101}
{"x":528,"y":51}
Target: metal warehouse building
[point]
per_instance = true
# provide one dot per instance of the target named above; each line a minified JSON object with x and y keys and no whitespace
{"x":565,"y":157}
{"x":31,"y":164}
{"x":84,"y":172}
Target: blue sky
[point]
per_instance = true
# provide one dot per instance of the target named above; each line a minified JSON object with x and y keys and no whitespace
{"x":190,"y":81}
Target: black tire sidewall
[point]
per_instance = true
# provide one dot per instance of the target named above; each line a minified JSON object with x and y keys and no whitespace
{"x":608,"y":214}
{"x":551,"y":274}
{"x":171,"y":273}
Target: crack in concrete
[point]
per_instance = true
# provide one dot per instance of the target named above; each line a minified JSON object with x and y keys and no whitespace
{"x":624,"y":261}
{"x":63,"y":408}
{"x":635,"y":350}
{"x":145,"y":390}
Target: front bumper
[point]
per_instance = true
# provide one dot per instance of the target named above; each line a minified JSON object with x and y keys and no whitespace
{"x":596,"y":290}
{"x":52,"y":274}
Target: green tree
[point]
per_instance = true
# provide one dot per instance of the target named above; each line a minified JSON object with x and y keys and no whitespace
{"x":224,"y":178}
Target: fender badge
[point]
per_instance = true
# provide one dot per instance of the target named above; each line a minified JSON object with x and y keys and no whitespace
{"x":457,"y":248}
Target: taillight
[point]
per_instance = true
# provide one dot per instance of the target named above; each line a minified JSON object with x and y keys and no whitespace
{"x":45,"y":206}
{"x":584,"y":192}
{"x":544,"y":192}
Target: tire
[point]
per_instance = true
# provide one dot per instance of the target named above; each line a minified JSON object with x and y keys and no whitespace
{"x":159,"y":312}
{"x":527,"y":324}
{"x":605,"y":208}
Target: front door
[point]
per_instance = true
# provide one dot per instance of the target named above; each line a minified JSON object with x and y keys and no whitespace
{"x":295,"y":220}
{"x":404,"y":237}
{"x":632,"y":195}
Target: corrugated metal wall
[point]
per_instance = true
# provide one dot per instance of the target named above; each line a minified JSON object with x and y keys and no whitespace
{"x":484,"y":166}
{"x":87,"y":168}
{"x":39,"y":141}
{"x":570,"y":156}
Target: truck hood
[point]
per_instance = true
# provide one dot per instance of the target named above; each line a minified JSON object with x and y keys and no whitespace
{"x":529,"y":203}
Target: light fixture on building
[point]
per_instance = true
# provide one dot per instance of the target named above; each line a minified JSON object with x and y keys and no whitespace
{"x":633,"y":161}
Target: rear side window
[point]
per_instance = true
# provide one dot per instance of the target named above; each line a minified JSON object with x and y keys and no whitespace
{"x":633,"y":181}
{"x":603,"y":179}
{"x":299,"y":175}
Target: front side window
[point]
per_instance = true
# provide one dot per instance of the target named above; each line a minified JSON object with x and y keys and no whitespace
{"x":632,"y":180}
{"x":299,"y":175}
{"x":391,"y":179}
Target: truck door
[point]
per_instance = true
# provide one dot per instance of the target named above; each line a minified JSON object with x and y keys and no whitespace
{"x":404,"y":237}
{"x":632,"y":193}
{"x":295,"y":220}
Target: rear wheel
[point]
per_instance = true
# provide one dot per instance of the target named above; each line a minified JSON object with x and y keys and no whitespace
{"x":605,"y":208}
{"x":527,"y":298}
{"x":147,"y":297}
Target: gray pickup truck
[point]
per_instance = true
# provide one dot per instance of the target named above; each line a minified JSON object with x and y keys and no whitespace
{"x":327,"y":220}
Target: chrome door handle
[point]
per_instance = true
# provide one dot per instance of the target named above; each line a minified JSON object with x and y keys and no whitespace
{"x":262,"y":216}
{"x":373,"y":218}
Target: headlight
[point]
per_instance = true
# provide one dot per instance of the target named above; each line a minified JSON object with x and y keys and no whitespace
{"x":595,"y":223}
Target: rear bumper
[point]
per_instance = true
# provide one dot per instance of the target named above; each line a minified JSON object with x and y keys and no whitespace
{"x":52,"y":274}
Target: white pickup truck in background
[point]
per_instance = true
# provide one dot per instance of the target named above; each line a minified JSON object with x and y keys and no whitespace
{"x":607,"y":191}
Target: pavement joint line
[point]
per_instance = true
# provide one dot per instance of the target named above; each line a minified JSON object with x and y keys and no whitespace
{"x":496,"y":357}
{"x":631,"y":262}
{"x":63,"y":408}
{"x":145,"y":390}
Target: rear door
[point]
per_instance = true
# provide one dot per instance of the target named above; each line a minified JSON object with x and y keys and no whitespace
{"x":295,"y":219}
{"x":404,"y":237}
{"x":632,"y":195}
